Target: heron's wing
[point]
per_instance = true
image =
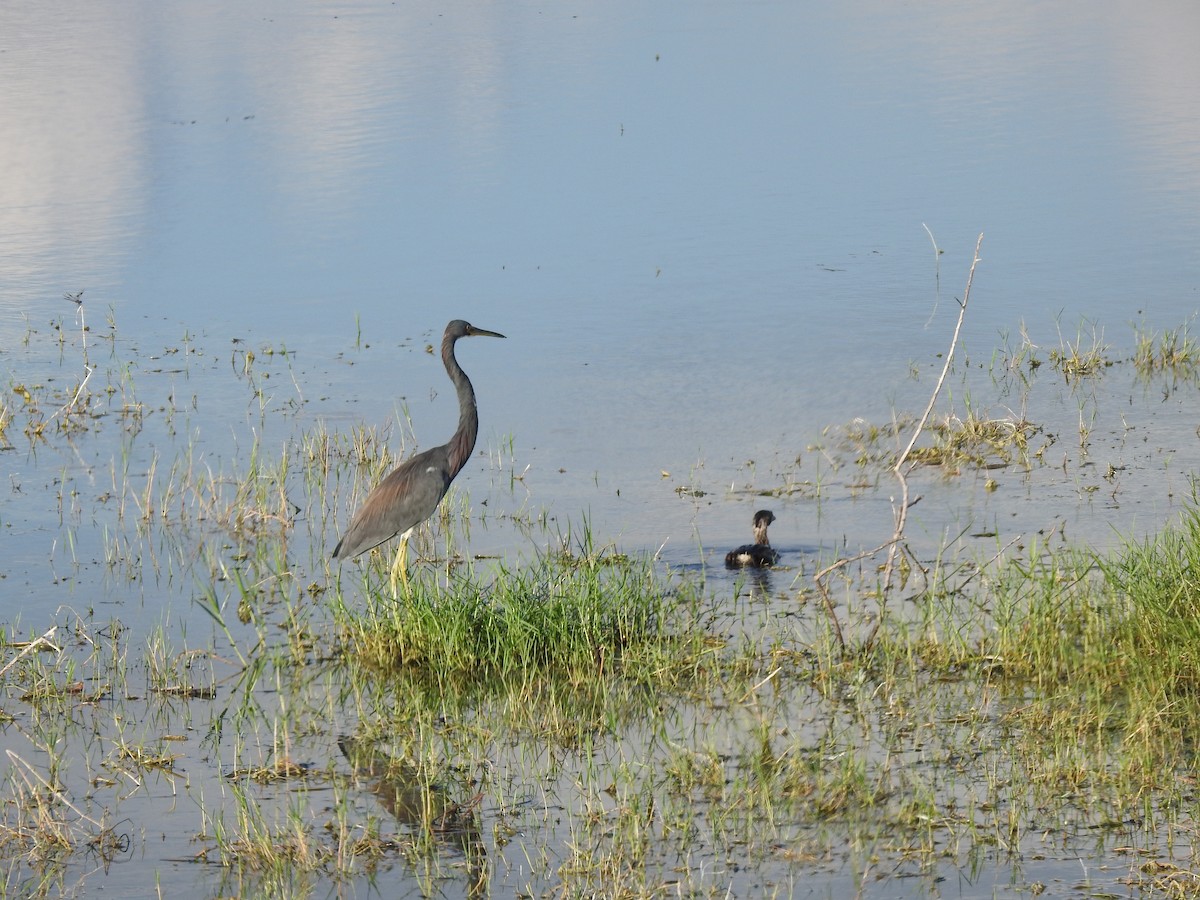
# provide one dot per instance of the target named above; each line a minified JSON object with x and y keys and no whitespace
{"x":405,"y":498}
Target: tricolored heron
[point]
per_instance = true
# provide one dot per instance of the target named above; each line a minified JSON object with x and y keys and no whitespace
{"x":412,"y":491}
{"x":760,"y":554}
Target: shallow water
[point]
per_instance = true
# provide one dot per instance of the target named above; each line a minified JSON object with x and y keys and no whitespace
{"x":687,"y":221}
{"x":701,"y":229}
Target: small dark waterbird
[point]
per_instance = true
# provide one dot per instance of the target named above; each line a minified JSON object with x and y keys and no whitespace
{"x":760,"y":554}
{"x":412,"y":491}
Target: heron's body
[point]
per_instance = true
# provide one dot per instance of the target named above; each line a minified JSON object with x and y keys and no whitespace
{"x":421,"y":481}
{"x":760,"y":554}
{"x":412,"y":491}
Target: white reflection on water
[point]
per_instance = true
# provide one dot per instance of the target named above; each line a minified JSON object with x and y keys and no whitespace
{"x":1154,"y":88}
{"x":73,"y":181}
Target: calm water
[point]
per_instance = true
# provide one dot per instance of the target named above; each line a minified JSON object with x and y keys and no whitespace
{"x":700,"y":226}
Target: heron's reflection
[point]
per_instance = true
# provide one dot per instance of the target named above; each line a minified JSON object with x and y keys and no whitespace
{"x":414,"y":801}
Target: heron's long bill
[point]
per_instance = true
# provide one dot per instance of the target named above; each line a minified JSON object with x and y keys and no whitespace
{"x":482,"y":332}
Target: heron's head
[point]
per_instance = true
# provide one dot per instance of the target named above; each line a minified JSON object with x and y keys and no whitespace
{"x":458,"y":328}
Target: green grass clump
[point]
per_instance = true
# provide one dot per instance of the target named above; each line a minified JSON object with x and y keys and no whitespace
{"x":1159,"y":642}
{"x":1173,"y":352}
{"x":569,"y":618}
{"x":1080,"y":359}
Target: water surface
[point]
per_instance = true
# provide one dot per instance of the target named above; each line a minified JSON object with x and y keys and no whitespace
{"x":702,"y":228}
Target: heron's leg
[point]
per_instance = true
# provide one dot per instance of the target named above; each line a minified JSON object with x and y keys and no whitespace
{"x":400,"y":566}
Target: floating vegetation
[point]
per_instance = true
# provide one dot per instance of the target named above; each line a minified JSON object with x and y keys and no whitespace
{"x":955,"y":442}
{"x":977,"y":441}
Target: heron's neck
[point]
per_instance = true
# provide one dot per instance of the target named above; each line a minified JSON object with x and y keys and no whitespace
{"x":463,"y":442}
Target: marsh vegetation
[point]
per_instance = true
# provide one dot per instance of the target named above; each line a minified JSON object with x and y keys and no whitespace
{"x":237,"y":717}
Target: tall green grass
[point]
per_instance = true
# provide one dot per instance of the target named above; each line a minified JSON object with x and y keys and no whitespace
{"x":560,"y":617}
{"x":1108,"y":647}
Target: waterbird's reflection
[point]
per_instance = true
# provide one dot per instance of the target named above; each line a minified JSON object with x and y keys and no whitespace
{"x":414,"y":801}
{"x":758,"y":580}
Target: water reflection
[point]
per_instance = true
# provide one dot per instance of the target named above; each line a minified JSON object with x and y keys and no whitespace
{"x":1159,"y":108}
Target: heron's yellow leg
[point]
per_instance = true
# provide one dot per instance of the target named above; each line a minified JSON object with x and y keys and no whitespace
{"x":400,"y":566}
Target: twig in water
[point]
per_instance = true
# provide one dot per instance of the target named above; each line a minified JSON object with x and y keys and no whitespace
{"x":43,"y":641}
{"x":937,"y":275}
